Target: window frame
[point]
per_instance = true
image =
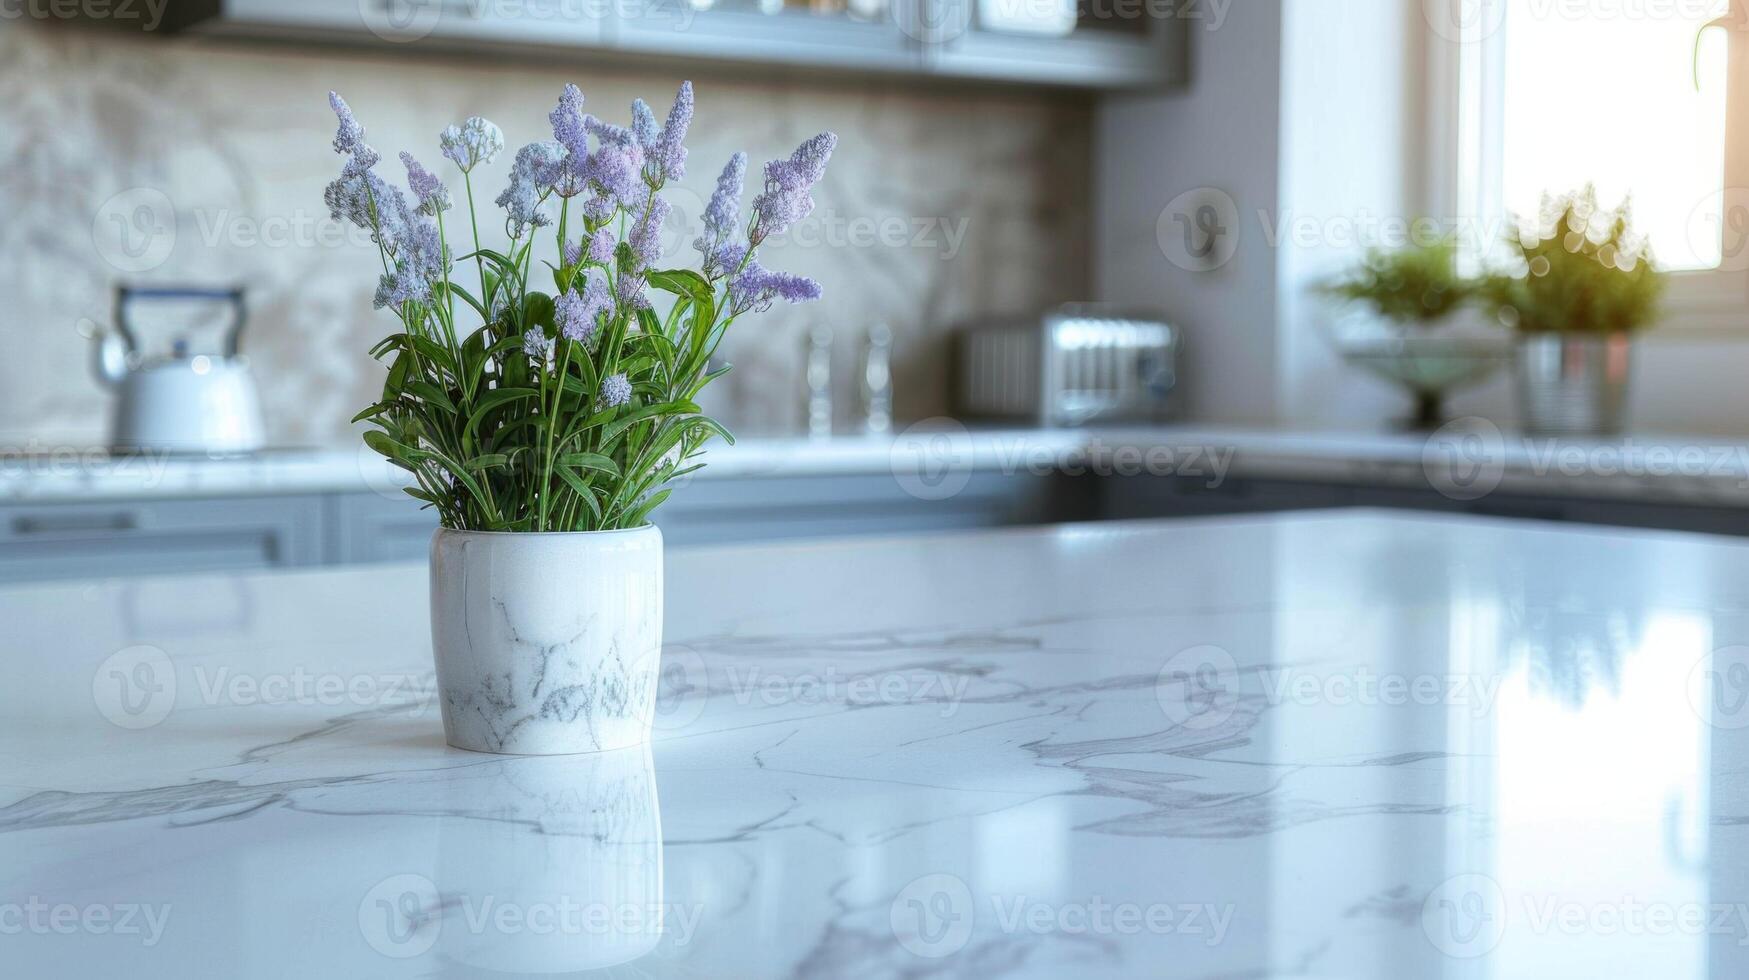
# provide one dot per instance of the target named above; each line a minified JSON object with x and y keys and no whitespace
{"x":1465,"y":162}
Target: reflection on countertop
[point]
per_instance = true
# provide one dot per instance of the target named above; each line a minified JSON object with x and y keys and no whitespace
{"x":1349,"y":745}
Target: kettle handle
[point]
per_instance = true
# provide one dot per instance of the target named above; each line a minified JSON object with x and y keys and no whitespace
{"x":125,"y":295}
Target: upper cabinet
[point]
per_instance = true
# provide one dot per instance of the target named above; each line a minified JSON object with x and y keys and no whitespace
{"x":1088,"y":44}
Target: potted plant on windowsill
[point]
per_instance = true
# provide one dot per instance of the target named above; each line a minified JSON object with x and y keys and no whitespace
{"x":543,"y":426}
{"x":1582,"y":283}
{"x":1405,"y":306}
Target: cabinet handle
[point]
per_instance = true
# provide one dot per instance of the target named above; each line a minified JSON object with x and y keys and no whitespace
{"x":74,"y":523}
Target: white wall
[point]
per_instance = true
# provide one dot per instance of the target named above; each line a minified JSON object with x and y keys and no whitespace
{"x":1222,"y":133}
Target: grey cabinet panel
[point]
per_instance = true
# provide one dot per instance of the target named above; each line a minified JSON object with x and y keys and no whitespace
{"x":926,"y":39}
{"x":723,"y":510}
{"x":365,"y":527}
{"x":127,"y":538}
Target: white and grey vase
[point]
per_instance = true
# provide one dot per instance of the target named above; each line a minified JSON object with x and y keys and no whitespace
{"x":547,"y":644}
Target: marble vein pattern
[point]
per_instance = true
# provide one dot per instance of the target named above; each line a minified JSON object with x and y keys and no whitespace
{"x":1345,"y":744}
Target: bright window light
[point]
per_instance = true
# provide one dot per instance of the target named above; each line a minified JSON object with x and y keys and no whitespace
{"x":1604,"y":93}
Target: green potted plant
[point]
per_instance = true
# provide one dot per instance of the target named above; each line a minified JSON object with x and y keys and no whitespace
{"x":1403,"y":303}
{"x":1580,"y":285}
{"x":541,"y":392}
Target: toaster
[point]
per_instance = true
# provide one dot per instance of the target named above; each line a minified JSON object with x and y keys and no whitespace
{"x":1074,"y":365}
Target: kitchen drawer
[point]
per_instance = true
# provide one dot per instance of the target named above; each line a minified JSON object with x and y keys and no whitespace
{"x":93,"y":540}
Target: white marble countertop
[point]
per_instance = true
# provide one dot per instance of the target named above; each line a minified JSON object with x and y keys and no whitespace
{"x":1335,"y":745}
{"x":1466,"y":459}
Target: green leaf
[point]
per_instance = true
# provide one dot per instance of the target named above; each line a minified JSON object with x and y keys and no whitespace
{"x":468,"y":298}
{"x":621,"y":423}
{"x":537,"y":310}
{"x":494,"y":399}
{"x":372,"y":412}
{"x":717,"y":428}
{"x":591,"y":461}
{"x":685,"y":283}
{"x":390,"y":449}
{"x":650,"y":503}
{"x":430,"y":394}
{"x":576,"y":483}
{"x":487,"y":461}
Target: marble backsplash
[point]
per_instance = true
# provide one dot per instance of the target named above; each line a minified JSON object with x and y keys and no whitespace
{"x":163,"y":160}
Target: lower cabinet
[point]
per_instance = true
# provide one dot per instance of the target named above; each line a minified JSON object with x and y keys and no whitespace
{"x":44,"y":541}
{"x":79,"y":540}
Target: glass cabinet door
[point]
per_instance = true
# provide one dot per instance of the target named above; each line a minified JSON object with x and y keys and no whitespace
{"x":1089,"y":43}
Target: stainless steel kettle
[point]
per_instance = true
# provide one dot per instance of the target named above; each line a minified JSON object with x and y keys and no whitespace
{"x":184,"y":402}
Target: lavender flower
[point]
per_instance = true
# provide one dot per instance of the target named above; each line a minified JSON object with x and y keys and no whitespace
{"x":644,"y":125}
{"x":530,"y":181}
{"x":615,"y":165}
{"x":433,"y":196}
{"x":403,"y":285}
{"x":646,"y":237}
{"x":567,"y":120}
{"x":787,"y":182}
{"x":668,"y":156}
{"x":629,"y":291}
{"x":350,"y":136}
{"x":756,"y":287}
{"x":600,"y":247}
{"x":536,"y":345}
{"x":578,"y":313}
{"x":573,"y":253}
{"x":720,"y":216}
{"x":598,"y":209}
{"x":474,"y":142}
{"x":615,"y":390}
{"x":410,"y":243}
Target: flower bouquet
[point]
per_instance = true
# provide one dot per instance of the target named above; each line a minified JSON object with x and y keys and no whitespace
{"x":544,"y":426}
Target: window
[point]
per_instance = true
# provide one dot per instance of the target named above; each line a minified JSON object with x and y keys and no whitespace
{"x":1644,"y":99}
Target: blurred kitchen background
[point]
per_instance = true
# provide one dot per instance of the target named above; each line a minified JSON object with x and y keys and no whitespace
{"x":1074,"y":255}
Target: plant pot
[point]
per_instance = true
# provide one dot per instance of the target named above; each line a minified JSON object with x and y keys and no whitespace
{"x":547,"y":644}
{"x":1573,"y":384}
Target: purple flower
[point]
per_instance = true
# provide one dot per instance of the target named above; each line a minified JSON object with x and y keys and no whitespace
{"x":643,"y":124}
{"x":600,"y":247}
{"x":530,"y":181}
{"x":629,"y":291}
{"x":615,"y":390}
{"x":787,"y":182}
{"x":578,"y":313}
{"x":409,"y":241}
{"x":756,"y":287}
{"x":573,"y":253}
{"x":571,"y":176}
{"x":350,"y":135}
{"x":567,"y":120}
{"x":536,"y":345}
{"x":402,"y":285}
{"x":720,"y":216}
{"x":433,"y":196}
{"x":666,"y":157}
{"x":598,"y":208}
{"x":474,"y":142}
{"x":646,"y":237}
